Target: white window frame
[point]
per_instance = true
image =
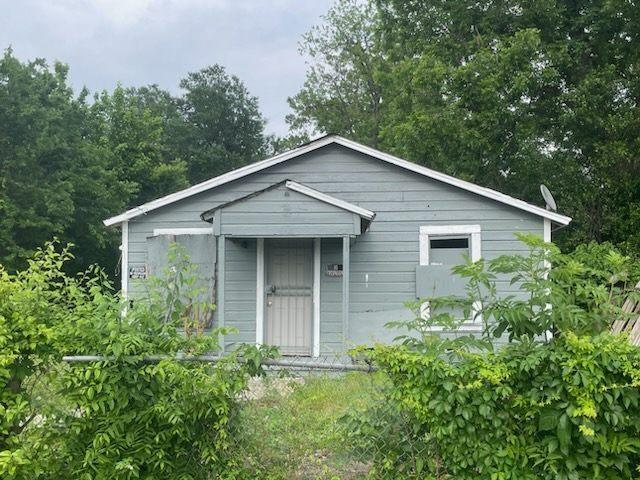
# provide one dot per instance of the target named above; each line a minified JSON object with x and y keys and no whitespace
{"x":427,"y":231}
{"x":182,"y":231}
{"x":475,"y":246}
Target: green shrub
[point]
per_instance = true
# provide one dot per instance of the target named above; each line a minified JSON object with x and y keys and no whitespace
{"x":127,"y":415}
{"x":33,"y":304}
{"x":134,"y":420}
{"x":566,"y":408}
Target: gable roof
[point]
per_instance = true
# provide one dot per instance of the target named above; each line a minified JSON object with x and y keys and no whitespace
{"x":304,"y":190}
{"x":319,"y":143}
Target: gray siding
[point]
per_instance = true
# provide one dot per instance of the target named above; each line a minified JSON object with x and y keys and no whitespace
{"x":283,"y":212}
{"x":240,"y":289}
{"x":330,"y":298}
{"x":388,"y":252}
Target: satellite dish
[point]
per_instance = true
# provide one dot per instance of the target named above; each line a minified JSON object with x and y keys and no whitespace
{"x":548,"y":198}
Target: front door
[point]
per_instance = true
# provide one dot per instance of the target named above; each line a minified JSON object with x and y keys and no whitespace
{"x":289,"y":294}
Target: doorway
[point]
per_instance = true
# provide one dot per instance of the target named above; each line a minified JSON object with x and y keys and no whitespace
{"x":289,"y":295}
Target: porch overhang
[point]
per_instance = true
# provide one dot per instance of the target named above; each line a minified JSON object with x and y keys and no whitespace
{"x":288,"y":209}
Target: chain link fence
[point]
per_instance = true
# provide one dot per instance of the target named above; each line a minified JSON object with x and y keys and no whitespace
{"x":311,"y":418}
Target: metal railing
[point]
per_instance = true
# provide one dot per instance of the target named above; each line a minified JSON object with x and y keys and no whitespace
{"x":323,"y":363}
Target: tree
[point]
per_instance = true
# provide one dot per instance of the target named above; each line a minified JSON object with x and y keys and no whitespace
{"x":342,"y":92}
{"x":533,"y":92}
{"x":222,"y":127}
{"x":506,"y":94}
{"x":133,"y":124}
{"x":48,"y":170}
{"x":67,"y":163}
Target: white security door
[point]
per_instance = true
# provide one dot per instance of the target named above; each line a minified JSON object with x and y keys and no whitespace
{"x":289,"y":295}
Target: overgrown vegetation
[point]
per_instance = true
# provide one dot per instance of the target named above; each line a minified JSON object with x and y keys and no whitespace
{"x":291,"y":428}
{"x":120,"y":417}
{"x":566,"y":408}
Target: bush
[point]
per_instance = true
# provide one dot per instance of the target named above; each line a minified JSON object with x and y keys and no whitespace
{"x":567,"y":408}
{"x":126,"y":415}
{"x":134,"y":420}
{"x":33,"y":304}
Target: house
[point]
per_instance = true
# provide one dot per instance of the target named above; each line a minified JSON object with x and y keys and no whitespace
{"x":315,"y":249}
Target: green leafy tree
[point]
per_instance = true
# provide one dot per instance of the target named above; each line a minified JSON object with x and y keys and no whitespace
{"x":48,"y":169}
{"x":508,"y":94}
{"x":222,"y":126}
{"x":67,"y":163}
{"x":531,"y":93}
{"x":132,"y":124}
{"x":342,"y":92}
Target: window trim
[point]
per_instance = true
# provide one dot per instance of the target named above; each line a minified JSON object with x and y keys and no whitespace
{"x":475,"y":246}
{"x":182,"y":231}
{"x":474,"y":232}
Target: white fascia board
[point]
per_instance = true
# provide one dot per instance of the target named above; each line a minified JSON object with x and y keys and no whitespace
{"x":323,"y":197}
{"x":456,"y":182}
{"x":319,"y":143}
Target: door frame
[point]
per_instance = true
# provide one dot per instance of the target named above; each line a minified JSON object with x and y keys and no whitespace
{"x":260,"y":295}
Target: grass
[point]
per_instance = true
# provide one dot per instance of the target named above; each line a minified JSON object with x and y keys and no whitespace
{"x":292,"y":430}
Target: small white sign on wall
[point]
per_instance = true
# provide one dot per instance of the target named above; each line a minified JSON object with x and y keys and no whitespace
{"x":334,"y":270}
{"x":138,"y":271}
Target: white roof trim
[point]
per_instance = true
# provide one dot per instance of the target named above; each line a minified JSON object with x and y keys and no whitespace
{"x":456,"y":182}
{"x":304,"y":190}
{"x":323,"y":197}
{"x":319,"y":143}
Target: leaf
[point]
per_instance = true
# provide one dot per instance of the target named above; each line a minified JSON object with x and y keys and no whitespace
{"x":563,"y":432}
{"x":548,"y":420}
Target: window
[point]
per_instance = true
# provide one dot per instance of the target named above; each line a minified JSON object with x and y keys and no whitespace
{"x":449,"y":243}
{"x":448,"y":250}
{"x":442,"y":238}
{"x":442,"y":246}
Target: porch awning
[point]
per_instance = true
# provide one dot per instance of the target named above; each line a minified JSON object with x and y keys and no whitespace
{"x":288,"y":209}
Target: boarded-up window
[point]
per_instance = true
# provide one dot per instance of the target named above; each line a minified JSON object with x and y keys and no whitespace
{"x":448,"y":250}
{"x":201,"y":250}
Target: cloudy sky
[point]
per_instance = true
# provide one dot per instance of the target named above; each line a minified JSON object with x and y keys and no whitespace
{"x":137,"y":42}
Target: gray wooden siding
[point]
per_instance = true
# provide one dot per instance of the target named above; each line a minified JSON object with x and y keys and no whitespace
{"x":240,"y":289}
{"x":330,"y":298}
{"x":283,"y":211}
{"x":388,"y":252}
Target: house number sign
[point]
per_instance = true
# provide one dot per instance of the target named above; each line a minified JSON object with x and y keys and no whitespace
{"x":138,"y":271}
{"x":334,"y":270}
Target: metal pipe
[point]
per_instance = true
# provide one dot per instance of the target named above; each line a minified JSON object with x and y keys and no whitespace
{"x":300,"y":364}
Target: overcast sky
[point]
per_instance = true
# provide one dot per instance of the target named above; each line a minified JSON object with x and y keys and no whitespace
{"x":138,"y":42}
